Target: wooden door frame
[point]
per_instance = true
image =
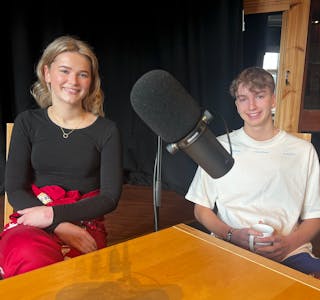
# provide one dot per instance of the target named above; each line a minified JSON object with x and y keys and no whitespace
{"x":293,"y":44}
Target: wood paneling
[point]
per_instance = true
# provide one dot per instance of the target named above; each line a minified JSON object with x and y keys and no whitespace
{"x":264,"y":6}
{"x":303,"y":135}
{"x":292,"y":59}
{"x":311,"y":120}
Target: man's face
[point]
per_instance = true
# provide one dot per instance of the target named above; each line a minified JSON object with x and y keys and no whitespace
{"x":254,"y":106}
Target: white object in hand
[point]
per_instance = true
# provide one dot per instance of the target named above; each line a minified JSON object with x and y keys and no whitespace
{"x":266,"y":231}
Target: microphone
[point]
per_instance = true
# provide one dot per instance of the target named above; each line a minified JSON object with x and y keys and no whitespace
{"x":171,"y":112}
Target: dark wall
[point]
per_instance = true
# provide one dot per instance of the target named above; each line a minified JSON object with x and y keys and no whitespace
{"x":198,"y":42}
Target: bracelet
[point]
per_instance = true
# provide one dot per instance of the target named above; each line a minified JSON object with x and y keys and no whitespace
{"x":229,"y":234}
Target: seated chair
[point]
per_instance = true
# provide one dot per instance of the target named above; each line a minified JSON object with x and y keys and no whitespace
{"x":8,"y":210}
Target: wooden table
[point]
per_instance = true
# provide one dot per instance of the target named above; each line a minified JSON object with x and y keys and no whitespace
{"x":175,"y":263}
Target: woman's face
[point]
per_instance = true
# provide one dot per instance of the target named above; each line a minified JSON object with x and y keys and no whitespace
{"x":69,"y":77}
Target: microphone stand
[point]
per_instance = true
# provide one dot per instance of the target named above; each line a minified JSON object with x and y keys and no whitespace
{"x":157,"y":184}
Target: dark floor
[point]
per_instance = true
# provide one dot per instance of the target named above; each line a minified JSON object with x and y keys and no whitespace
{"x":134,"y":215}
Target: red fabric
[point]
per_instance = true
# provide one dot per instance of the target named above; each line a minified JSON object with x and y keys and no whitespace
{"x":60,"y":196}
{"x":25,"y":248}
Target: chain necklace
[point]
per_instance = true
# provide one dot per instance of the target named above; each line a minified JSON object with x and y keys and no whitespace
{"x":65,"y":134}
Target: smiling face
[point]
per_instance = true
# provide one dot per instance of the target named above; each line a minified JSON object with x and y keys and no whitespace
{"x":69,"y":77}
{"x":255,"y":106}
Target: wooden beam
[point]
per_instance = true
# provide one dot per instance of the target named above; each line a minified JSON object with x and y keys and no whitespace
{"x":265,"y":6}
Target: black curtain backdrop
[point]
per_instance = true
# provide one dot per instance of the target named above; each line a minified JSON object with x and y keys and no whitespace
{"x":198,"y":42}
{"x":255,"y":39}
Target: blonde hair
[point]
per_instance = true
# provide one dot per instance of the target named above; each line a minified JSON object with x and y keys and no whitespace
{"x":40,"y":90}
{"x":254,"y":78}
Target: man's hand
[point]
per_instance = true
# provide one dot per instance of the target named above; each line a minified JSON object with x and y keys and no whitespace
{"x":278,"y":250}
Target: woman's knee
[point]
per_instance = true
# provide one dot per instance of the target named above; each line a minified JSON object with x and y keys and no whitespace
{"x":27,"y":248}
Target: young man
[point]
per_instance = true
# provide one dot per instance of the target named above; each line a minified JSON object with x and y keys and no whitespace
{"x":275,"y":180}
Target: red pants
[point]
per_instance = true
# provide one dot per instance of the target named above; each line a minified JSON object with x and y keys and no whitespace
{"x":25,"y":248}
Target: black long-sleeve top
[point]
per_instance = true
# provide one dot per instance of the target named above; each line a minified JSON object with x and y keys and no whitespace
{"x":89,"y":159}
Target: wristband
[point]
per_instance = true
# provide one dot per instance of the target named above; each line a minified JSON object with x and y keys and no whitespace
{"x":229,"y":234}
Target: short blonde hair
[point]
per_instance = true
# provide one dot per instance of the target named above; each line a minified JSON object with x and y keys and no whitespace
{"x":40,"y":91}
{"x":254,"y":78}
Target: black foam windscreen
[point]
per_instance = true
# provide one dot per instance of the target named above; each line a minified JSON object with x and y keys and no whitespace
{"x":164,"y":105}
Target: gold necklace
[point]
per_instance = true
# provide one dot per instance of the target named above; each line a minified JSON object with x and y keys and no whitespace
{"x":65,"y":134}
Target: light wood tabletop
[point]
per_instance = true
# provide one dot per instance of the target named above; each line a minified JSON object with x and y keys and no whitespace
{"x":179,"y":262}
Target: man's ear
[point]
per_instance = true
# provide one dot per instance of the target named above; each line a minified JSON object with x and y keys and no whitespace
{"x":274,"y":101}
{"x":236,"y":104}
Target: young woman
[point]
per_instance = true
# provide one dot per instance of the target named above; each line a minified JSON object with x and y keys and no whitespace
{"x":64,"y":169}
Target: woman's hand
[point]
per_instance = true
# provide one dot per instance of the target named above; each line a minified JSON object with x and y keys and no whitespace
{"x":76,"y":237}
{"x":37,"y":216}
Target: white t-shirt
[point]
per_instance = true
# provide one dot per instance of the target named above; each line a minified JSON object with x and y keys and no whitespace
{"x":275,"y":181}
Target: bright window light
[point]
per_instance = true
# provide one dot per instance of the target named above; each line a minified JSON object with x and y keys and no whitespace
{"x":270,"y":61}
